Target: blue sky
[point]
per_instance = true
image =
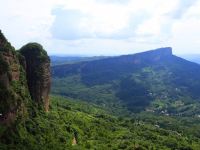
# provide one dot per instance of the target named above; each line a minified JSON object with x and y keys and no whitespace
{"x":103,"y":27}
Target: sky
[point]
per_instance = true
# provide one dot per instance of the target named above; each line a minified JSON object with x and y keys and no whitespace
{"x":102,"y":27}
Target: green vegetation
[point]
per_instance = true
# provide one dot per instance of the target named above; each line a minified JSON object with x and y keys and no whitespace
{"x":102,"y":95}
{"x":168,"y":85}
{"x":5,"y":46}
{"x":34,"y":50}
{"x":146,"y":101}
{"x":95,"y":128}
{"x":3,"y":66}
{"x":13,"y":93}
{"x":152,"y":98}
{"x":35,"y":56}
{"x":37,"y":72}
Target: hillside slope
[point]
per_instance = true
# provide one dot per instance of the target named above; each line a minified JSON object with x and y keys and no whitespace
{"x":114,"y":87}
{"x":192,"y":57}
{"x":24,"y":88}
{"x":155,"y":81}
{"x":60,"y":60}
{"x":94,"y":128}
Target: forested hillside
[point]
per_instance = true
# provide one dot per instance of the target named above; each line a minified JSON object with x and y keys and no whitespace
{"x":155,"y":81}
{"x":145,"y":101}
{"x":73,"y":124}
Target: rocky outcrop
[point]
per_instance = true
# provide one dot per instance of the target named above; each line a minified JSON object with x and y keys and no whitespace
{"x":13,"y":86}
{"x":38,"y":73}
{"x":24,"y":80}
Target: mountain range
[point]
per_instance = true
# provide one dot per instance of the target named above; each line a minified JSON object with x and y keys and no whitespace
{"x":155,"y":80}
{"x":143,"y":101}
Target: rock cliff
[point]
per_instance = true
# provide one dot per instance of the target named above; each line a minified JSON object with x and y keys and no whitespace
{"x":38,"y":73}
{"x":24,"y":79}
{"x":13,"y":86}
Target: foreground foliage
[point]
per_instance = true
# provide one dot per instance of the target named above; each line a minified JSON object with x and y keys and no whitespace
{"x":93,"y":127}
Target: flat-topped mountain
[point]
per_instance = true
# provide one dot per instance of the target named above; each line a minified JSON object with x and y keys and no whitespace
{"x":155,"y":80}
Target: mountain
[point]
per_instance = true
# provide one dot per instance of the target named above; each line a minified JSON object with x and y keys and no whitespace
{"x":24,"y":80}
{"x":155,"y":80}
{"x":38,"y":72}
{"x":149,"y":83}
{"x":59,"y":60}
{"x":13,"y":86}
{"x":192,"y":57}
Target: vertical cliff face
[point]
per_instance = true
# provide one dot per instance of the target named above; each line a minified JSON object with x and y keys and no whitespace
{"x":38,"y":73}
{"x":13,"y":86}
{"x":24,"y":80}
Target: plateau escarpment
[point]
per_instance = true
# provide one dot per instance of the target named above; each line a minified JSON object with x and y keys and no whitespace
{"x":16,"y":92}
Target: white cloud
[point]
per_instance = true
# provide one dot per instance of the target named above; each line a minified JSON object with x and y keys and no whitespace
{"x":186,"y":32}
{"x":26,"y":20}
{"x":102,"y":26}
{"x":96,"y":19}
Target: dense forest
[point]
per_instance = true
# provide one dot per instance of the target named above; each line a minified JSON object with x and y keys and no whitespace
{"x":73,"y":124}
{"x":155,"y":81}
{"x":152,"y":95}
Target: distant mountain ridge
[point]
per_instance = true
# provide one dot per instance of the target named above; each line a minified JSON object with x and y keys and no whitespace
{"x":139,"y":81}
{"x":60,"y":60}
{"x":192,"y":57}
{"x":158,"y":84}
{"x":118,"y":63}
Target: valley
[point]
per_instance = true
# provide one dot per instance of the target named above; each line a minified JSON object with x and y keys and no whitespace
{"x":96,"y":128}
{"x":143,"y":101}
{"x":99,"y":75}
{"x":156,"y":81}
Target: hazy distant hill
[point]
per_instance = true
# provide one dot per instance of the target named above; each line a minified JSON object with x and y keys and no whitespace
{"x":192,"y":57}
{"x":154,"y":81}
{"x":59,"y":60}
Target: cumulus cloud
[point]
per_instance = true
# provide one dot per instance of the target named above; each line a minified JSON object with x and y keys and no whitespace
{"x":107,"y":20}
{"x":74,"y":24}
{"x":114,"y":1}
{"x":102,"y":26}
{"x":68,"y":25}
{"x":182,"y":8}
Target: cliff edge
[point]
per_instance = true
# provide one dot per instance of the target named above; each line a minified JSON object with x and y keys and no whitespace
{"x":14,"y":94}
{"x":38,"y":73}
{"x":24,"y":79}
